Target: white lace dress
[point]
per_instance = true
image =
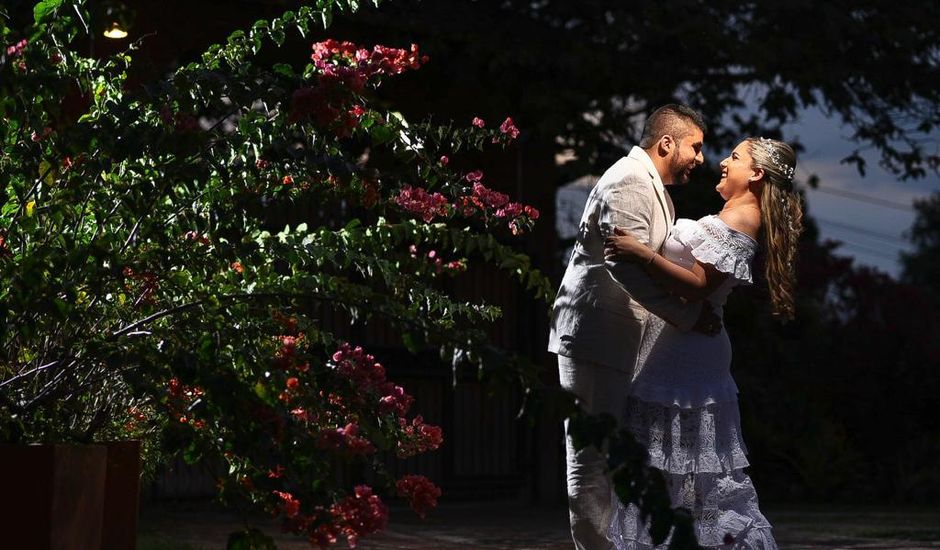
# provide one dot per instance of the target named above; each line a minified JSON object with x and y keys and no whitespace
{"x":683,"y":407}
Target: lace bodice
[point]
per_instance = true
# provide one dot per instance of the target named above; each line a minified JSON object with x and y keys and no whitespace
{"x":688,"y":369}
{"x":710,"y":241}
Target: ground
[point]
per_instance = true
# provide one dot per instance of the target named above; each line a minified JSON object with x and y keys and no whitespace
{"x":201,"y":525}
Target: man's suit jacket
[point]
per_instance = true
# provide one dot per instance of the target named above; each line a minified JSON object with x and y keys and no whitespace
{"x":601,"y":307}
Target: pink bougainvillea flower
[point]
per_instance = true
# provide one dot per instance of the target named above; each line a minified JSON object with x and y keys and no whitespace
{"x":16,"y":50}
{"x":38,"y":137}
{"x":509,"y":210}
{"x":456,"y":266}
{"x":300,"y":414}
{"x":509,"y":128}
{"x":423,"y":204}
{"x":357,"y":111}
{"x":395,"y":400}
{"x":418,"y":437}
{"x":345,"y":439}
{"x":488,"y":198}
{"x":285,"y":356}
{"x":421,"y":493}
{"x":359,"y":367}
{"x":474,"y":177}
{"x":288,"y":505}
{"x":478,"y":122}
{"x":360,"y":514}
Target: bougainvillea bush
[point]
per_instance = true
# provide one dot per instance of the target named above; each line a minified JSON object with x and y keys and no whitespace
{"x":174,"y":257}
{"x":150,"y":284}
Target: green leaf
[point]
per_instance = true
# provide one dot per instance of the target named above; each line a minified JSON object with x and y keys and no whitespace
{"x":8,"y":208}
{"x":381,"y":134}
{"x":206,"y":348}
{"x":44,"y":10}
{"x":410,"y":343}
{"x":62,"y":306}
{"x":284,"y":69}
{"x":191,"y":455}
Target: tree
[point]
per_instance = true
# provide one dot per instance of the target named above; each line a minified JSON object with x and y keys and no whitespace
{"x":922,"y":266}
{"x":586,"y":73}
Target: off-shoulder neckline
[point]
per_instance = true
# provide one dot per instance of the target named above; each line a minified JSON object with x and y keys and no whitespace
{"x":723,"y":222}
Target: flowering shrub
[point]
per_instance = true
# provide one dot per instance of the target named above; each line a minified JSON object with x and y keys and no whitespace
{"x":420,"y":492}
{"x":150,"y":285}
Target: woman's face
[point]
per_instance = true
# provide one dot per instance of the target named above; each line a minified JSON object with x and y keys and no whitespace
{"x":737,"y":172}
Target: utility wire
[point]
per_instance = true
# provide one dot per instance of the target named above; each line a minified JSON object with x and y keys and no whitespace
{"x":871,"y":251}
{"x":861,"y":197}
{"x":886,"y":237}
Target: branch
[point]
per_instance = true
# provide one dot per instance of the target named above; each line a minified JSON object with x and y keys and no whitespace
{"x":33,"y":371}
{"x":133,"y":326}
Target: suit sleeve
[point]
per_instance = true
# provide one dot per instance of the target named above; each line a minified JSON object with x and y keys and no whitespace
{"x":630,"y":207}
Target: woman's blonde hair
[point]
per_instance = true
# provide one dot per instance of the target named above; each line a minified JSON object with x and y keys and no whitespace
{"x":781,"y":218}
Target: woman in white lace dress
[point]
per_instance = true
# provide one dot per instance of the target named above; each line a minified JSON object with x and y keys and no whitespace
{"x":683,"y":401}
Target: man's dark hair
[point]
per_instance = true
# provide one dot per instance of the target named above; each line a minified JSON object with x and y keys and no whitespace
{"x":674,"y":120}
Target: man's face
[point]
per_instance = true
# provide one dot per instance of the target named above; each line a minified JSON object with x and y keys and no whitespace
{"x":686,"y":155}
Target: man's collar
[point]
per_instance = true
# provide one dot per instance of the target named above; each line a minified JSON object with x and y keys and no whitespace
{"x":641,"y":155}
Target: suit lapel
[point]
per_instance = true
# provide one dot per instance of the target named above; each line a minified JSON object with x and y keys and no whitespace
{"x":662,"y":196}
{"x":669,"y":209}
{"x":665,"y":201}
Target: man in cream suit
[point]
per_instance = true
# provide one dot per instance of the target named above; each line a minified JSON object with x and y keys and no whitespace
{"x":601,"y":308}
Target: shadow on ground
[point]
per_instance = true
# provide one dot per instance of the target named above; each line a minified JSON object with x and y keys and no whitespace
{"x":201,"y":525}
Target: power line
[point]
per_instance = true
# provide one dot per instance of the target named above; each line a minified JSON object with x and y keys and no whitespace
{"x":861,"y":197}
{"x":871,"y":251}
{"x":893,"y":239}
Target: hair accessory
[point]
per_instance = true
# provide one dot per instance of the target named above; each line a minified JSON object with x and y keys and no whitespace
{"x":774,"y":155}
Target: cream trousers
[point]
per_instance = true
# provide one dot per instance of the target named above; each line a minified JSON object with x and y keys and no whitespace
{"x":600,"y":389}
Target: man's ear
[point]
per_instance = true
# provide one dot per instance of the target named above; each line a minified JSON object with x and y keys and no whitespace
{"x":666,"y":145}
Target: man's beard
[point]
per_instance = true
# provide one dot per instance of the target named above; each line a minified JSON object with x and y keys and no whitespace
{"x":678,"y":171}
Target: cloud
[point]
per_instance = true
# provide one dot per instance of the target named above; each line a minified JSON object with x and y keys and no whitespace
{"x":873,"y":233}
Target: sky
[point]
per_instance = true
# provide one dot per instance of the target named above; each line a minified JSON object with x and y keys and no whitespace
{"x":869,"y":214}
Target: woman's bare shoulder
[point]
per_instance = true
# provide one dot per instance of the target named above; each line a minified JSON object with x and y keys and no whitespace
{"x":745,"y":220}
